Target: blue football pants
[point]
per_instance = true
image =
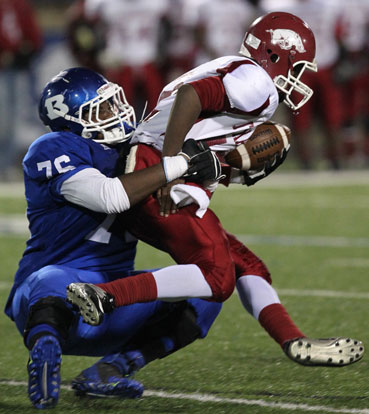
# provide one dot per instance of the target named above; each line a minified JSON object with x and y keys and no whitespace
{"x":117,"y":328}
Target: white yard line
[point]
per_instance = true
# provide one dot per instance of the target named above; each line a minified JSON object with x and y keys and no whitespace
{"x":6,"y":286}
{"x":206,"y":398}
{"x":314,"y":241}
{"x":358,"y":262}
{"x":310,"y":179}
{"x":323,"y":293}
{"x":259,"y":403}
{"x":17,"y":225}
{"x":13,"y":189}
{"x":14,"y":224}
{"x":277,"y":180}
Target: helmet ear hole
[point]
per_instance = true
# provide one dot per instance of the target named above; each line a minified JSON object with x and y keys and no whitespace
{"x":273,"y":56}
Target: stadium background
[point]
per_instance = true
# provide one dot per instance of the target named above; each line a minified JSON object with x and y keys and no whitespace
{"x":58,"y":51}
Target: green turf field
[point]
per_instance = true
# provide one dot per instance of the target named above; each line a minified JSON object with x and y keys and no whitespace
{"x":315,"y":240}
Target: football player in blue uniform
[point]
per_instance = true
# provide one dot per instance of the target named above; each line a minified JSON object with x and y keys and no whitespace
{"x":75,"y":188}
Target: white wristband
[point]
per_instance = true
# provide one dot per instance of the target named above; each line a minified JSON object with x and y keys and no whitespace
{"x":174,"y":167}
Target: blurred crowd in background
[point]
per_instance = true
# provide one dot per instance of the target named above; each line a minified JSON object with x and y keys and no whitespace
{"x":144,"y":44}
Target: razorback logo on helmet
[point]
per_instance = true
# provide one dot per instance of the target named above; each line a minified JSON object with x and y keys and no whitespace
{"x":286,"y":39}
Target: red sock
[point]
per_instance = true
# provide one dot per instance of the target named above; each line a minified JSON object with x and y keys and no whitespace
{"x":132,"y":289}
{"x":279,"y":325}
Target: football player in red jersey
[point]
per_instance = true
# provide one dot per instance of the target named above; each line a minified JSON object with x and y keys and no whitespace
{"x":220,"y":102}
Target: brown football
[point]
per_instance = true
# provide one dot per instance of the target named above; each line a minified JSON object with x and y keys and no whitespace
{"x":268,"y":139}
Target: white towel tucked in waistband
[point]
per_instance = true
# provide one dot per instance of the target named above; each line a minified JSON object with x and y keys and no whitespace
{"x":183,"y":195}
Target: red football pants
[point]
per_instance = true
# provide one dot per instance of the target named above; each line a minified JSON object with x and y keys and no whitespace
{"x":191,"y":240}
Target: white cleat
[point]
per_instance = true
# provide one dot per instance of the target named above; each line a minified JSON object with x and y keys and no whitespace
{"x":329,"y":352}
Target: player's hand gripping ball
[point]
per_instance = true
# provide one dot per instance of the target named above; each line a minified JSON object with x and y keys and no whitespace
{"x":268,"y":140}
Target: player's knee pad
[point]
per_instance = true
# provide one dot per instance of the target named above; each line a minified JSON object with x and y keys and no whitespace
{"x":193,"y":321}
{"x":181,"y":325}
{"x":186,"y":329}
{"x":52,"y":311}
{"x":174,"y":330}
{"x":206,"y":313}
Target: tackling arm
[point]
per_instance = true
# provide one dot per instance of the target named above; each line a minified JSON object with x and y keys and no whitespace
{"x":141,"y":184}
{"x":92,"y":189}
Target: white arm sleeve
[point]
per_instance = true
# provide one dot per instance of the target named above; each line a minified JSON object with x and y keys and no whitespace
{"x":91,"y":189}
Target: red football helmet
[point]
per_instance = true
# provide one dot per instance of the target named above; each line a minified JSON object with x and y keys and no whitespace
{"x":284,"y":46}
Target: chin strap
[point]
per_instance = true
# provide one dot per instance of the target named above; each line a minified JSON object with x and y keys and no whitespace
{"x":111,"y":137}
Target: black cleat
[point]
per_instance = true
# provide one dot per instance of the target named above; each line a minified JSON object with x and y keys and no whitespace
{"x":92,"y":301}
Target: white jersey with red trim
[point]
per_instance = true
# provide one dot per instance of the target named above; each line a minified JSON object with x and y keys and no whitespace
{"x":251,"y":95}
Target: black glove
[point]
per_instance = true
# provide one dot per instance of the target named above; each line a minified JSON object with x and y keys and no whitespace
{"x":269,"y":166}
{"x":203,"y":163}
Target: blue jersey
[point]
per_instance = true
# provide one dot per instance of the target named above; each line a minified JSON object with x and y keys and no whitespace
{"x":63,"y":233}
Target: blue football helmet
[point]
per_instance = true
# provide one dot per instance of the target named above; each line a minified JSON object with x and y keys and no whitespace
{"x":72,"y":101}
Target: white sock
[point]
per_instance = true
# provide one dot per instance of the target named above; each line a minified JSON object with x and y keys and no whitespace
{"x":181,"y":282}
{"x":255,"y":294}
